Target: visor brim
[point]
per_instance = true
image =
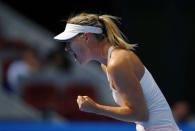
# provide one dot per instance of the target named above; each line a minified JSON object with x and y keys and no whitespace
{"x":65,"y":36}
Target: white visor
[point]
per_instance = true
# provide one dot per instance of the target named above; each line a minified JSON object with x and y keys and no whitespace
{"x":72,"y":30}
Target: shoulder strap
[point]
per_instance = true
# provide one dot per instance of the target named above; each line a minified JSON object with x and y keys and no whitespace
{"x":110,"y":52}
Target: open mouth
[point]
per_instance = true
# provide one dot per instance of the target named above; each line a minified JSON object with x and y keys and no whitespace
{"x":75,"y":55}
{"x":72,"y":54}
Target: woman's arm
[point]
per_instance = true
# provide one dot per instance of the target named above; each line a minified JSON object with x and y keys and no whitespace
{"x":127,"y":84}
{"x":86,"y":104}
{"x":119,"y":113}
{"x":130,"y":90}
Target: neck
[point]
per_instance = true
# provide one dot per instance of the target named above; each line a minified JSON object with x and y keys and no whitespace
{"x":101,"y":54}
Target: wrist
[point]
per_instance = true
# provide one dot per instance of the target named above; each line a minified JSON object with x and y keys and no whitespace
{"x":98,"y":108}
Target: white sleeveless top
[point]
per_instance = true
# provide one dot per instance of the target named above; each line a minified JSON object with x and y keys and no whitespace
{"x":159,"y":110}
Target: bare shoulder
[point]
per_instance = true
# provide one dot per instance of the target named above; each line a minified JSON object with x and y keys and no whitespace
{"x":125,"y":61}
{"x":120,"y":55}
{"x":120,"y":58}
{"x":119,"y":62}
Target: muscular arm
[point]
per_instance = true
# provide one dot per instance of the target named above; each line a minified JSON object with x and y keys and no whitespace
{"x":130,"y":91}
{"x":129,"y":88}
{"x":119,"y":113}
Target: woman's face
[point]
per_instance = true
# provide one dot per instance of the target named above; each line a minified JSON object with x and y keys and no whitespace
{"x":78,"y":49}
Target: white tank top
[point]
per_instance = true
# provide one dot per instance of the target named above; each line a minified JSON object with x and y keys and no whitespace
{"x":159,"y":110}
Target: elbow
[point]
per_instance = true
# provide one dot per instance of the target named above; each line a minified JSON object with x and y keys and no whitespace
{"x":134,"y":115}
{"x":142,"y":116}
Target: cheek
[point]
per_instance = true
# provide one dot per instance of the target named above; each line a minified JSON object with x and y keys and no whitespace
{"x":79,"y":50}
{"x":82,"y":54}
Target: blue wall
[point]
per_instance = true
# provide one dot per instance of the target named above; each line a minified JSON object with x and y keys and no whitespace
{"x":16,"y":126}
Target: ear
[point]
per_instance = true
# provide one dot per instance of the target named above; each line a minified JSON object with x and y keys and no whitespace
{"x":86,"y":36}
{"x":87,"y":39}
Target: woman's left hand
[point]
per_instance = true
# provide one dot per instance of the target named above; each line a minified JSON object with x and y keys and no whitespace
{"x":86,"y":104}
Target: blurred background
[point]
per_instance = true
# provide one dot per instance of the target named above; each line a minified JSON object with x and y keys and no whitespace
{"x":39,"y":82}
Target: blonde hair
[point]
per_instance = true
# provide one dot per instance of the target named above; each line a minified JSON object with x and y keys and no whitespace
{"x":106,"y":22}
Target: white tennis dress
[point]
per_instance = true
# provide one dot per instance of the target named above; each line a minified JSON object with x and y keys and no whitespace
{"x":160,"y":115}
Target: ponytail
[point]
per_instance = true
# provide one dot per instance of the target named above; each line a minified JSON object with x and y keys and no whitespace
{"x":114,"y":35}
{"x":111,"y":32}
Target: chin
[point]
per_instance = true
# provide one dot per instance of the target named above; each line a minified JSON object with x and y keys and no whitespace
{"x":83,"y":62}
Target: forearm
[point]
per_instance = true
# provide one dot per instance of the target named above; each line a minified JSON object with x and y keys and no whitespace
{"x":123,"y":113}
{"x":120,"y":113}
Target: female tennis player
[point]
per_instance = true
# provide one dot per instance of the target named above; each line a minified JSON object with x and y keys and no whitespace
{"x":97,"y":37}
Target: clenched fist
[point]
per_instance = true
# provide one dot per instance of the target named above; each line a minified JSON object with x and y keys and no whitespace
{"x":86,"y":104}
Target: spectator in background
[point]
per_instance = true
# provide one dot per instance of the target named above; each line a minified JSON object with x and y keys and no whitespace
{"x":57,"y":61}
{"x":181,"y":111}
{"x":19,"y":71}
